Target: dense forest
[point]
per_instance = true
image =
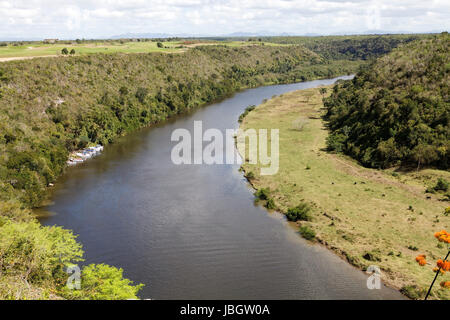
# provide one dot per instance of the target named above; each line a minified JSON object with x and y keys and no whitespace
{"x":396,"y":111}
{"x":363,"y":47}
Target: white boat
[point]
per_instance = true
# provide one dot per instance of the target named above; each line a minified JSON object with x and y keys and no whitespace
{"x":85,"y":154}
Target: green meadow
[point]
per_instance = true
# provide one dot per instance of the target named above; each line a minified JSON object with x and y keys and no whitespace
{"x":40,"y":49}
{"x":368,"y":216}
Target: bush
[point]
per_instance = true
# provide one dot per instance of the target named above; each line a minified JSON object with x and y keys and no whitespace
{"x":372,"y":256}
{"x":412,"y":292}
{"x":300,"y":212}
{"x":36,"y":254}
{"x":103,"y":282}
{"x":72,"y":52}
{"x":160,"y":45}
{"x":262,"y":194}
{"x":447,"y":211}
{"x":246,"y":112}
{"x":250,"y":175}
{"x":335,"y":142}
{"x":441,"y":185}
{"x":65,"y":51}
{"x":307,"y":232}
{"x":270,"y":204}
{"x":141,"y":94}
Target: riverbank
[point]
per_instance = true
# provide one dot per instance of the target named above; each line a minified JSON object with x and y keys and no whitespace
{"x":99,"y":98}
{"x":161,"y":216}
{"x":368,"y":216}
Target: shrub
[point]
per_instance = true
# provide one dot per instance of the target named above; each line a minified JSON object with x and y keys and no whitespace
{"x":372,"y":256}
{"x":160,"y":45}
{"x":441,"y":185}
{"x":262,"y":194}
{"x":34,"y":253}
{"x":300,"y":123}
{"x":246,"y":112}
{"x":103,"y":282}
{"x":141,"y":94}
{"x":65,"y":51}
{"x":447,"y":211}
{"x":72,"y":52}
{"x":335,"y":142}
{"x":307,"y":233}
{"x":250,"y":175}
{"x":300,"y":212}
{"x":270,"y":204}
{"x":412,"y":292}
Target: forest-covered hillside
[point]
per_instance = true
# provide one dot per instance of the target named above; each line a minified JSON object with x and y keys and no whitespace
{"x":397,"y":110}
{"x":361,"y":47}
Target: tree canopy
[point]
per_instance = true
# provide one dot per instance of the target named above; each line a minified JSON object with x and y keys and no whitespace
{"x":396,"y":111}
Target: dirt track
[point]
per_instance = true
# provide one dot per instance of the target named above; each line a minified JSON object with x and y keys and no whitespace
{"x":24,"y":58}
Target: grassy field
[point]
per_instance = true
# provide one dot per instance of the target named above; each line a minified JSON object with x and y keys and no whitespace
{"x":359,"y":213}
{"x":30,"y":50}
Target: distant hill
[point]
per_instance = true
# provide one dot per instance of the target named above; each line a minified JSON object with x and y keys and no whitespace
{"x":397,"y":110}
{"x":350,"y":47}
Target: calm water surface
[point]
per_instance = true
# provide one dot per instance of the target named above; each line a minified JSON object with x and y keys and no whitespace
{"x":193,"y":231}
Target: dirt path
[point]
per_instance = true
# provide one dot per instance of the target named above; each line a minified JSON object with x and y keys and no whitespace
{"x":25,"y":58}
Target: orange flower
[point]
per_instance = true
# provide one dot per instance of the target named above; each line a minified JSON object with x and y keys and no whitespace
{"x":444,"y":265}
{"x":445,"y":284}
{"x":442,"y":236}
{"x":421,"y":259}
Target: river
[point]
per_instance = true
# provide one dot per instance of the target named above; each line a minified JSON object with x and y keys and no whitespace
{"x":193,"y":231}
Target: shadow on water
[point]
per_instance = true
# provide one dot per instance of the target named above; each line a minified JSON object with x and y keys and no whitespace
{"x":193,"y":231}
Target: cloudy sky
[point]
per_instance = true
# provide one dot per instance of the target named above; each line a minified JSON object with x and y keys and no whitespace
{"x":104,"y":18}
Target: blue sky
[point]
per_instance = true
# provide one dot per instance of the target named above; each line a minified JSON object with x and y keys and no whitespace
{"x":104,"y":18}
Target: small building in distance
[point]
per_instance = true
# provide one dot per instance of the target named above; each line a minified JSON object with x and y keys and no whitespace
{"x":51,"y":41}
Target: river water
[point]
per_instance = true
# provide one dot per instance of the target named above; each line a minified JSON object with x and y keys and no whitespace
{"x":193,"y":231}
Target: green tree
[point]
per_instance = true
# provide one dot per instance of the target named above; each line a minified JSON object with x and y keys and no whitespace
{"x":65,"y":51}
{"x":72,"y":52}
{"x":424,"y":154}
{"x":300,"y":212}
{"x":141,"y":94}
{"x":160,"y":45}
{"x":103,"y":282}
{"x":34,"y":253}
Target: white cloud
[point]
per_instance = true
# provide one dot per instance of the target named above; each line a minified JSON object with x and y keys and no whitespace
{"x":103,"y":18}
